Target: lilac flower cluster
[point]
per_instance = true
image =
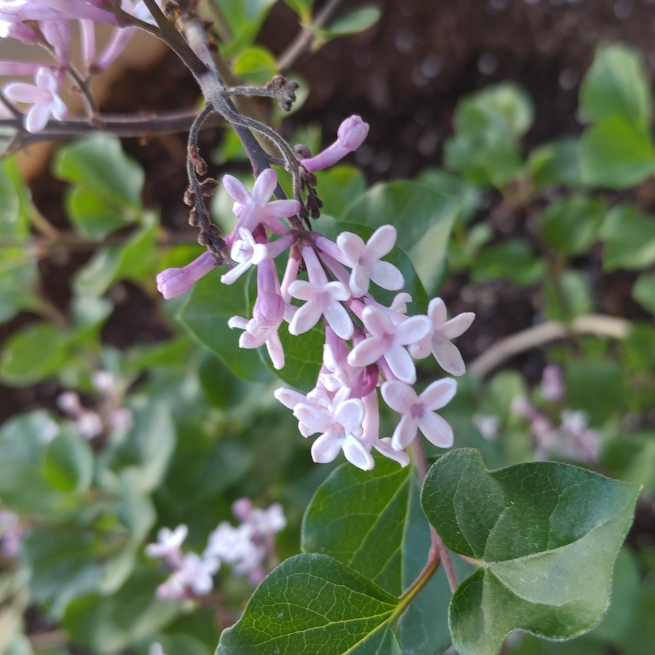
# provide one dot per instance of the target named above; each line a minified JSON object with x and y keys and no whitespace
{"x":48,"y":22}
{"x":111,"y":415}
{"x":245,"y":548}
{"x":366,"y":343}
{"x":11,"y":532}
{"x":573,"y":439}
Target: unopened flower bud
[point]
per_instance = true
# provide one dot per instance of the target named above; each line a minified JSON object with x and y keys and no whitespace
{"x":173,"y":282}
{"x":268,"y":309}
{"x":352,"y":133}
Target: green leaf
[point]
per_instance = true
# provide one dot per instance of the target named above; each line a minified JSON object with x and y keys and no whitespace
{"x":556,"y":164}
{"x":141,"y":459}
{"x":632,"y":458}
{"x":571,"y":297}
{"x":68,"y":464}
{"x":256,"y":65}
{"x":303,"y":8}
{"x":92,"y":214}
{"x":133,"y":261}
{"x":15,"y":202}
{"x":488,"y":127}
{"x":33,"y":354}
{"x":639,"y":347}
{"x":513,"y":260}
{"x":99,"y":164}
{"x":338,"y":187}
{"x":616,"y":154}
{"x":244,"y":20}
{"x":571,"y":225}
{"x":23,"y":486}
{"x":312,"y":604}
{"x":546,"y":536}
{"x":205,"y":315}
{"x":628,"y":238}
{"x":644,"y":292}
{"x":303,"y":357}
{"x":18,"y":278}
{"x":222,"y":388}
{"x":353,"y":23}
{"x":372,"y":521}
{"x":617,"y":84}
{"x":596,"y":386}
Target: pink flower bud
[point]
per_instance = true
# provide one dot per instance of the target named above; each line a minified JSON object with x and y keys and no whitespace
{"x":173,"y":282}
{"x":242,"y":509}
{"x":352,"y":133}
{"x":268,"y":309}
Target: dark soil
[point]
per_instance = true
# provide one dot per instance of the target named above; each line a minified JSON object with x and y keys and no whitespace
{"x":404,"y":76}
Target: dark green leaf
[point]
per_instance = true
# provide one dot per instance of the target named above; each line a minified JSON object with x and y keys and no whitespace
{"x":513,"y":260}
{"x":644,"y":292}
{"x":617,"y":84}
{"x":632,"y":458}
{"x":569,"y":297}
{"x":312,"y":604}
{"x":222,"y":388}
{"x":92,"y":214}
{"x":628,"y":238}
{"x":546,"y":536}
{"x":616,"y":154}
{"x":570,"y":225}
{"x":99,"y":164}
{"x":205,"y":315}
{"x":256,"y":65}
{"x":596,"y":386}
{"x":68,"y":462}
{"x":353,"y":23}
{"x":639,"y":347}
{"x":556,"y":164}
{"x":338,"y":187}
{"x":32,"y":354}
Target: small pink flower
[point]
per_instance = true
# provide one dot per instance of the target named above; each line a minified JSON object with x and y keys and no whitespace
{"x":364,"y":259}
{"x":388,"y":340}
{"x":552,"y":384}
{"x":168,"y":545}
{"x":322,"y":298}
{"x":242,"y":252}
{"x":255,"y":209}
{"x":351,"y":134}
{"x":43,"y":97}
{"x":438,"y":340}
{"x":173,"y":282}
{"x":418,"y":412}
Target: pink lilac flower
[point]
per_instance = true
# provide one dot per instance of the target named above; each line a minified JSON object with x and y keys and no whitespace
{"x":169,"y":545}
{"x":58,"y":34}
{"x":351,"y":134}
{"x":255,"y":209}
{"x":11,"y":532}
{"x":193,"y":577}
{"x":43,"y":96}
{"x":173,"y":282}
{"x":552,"y":384}
{"x":322,"y":298}
{"x":364,"y":259}
{"x":487,"y":425}
{"x":438,"y":340}
{"x":371,"y":431}
{"x":388,"y":340}
{"x":242,"y":252}
{"x":418,"y":412}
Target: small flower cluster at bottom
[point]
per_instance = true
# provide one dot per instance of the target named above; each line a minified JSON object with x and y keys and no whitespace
{"x":246,"y":548}
{"x":344,"y":407}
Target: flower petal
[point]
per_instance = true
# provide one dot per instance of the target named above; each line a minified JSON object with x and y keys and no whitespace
{"x":313,"y":417}
{"x":367,"y":352}
{"x":359,"y":280}
{"x":404,"y":433}
{"x":303,"y":290}
{"x":325,"y":449}
{"x":439,"y":394}
{"x":235,"y":273}
{"x":281,"y":208}
{"x":376,"y":321}
{"x":264,"y":186}
{"x":399,"y":396}
{"x":306,"y":318}
{"x":384,"y":446}
{"x":288,"y":397}
{"x":350,"y":414}
{"x":401,"y":364}
{"x":458,"y":325}
{"x":387,"y":276}
{"x":338,"y":319}
{"x":357,"y":454}
{"x":381,"y":242}
{"x":447,"y":355}
{"x":275,"y":349}
{"x":21,"y":92}
{"x":421,"y":349}
{"x":352,"y":246}
{"x":236,"y":190}
{"x":437,"y":313}
{"x":413,"y":330}
{"x":436,"y":430}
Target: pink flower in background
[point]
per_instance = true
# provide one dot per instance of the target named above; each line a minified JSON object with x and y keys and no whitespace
{"x":43,"y":96}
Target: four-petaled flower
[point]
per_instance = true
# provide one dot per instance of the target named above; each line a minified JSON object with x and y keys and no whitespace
{"x":43,"y":96}
{"x":168,"y":544}
{"x":364,"y":259}
{"x":242,"y":252}
{"x":438,"y":340}
{"x":388,"y":340}
{"x":418,"y":412}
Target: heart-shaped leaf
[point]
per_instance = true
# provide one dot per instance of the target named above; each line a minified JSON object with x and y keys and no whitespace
{"x":546,"y":536}
{"x":314,"y":604}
